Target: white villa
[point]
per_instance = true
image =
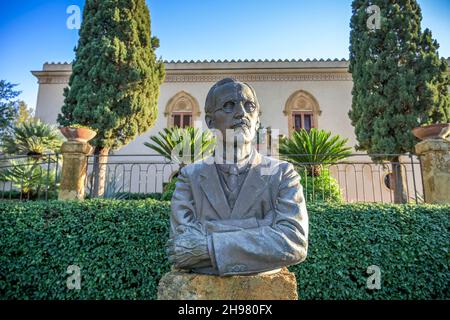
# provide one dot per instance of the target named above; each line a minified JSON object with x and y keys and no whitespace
{"x":292,"y":94}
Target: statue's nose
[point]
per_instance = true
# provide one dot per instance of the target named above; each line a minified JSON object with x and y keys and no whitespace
{"x":239,"y":110}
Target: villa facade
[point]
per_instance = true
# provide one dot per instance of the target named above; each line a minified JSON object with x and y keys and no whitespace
{"x":293,"y":94}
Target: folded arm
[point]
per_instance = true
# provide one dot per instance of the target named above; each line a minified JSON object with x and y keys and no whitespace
{"x":267,"y":247}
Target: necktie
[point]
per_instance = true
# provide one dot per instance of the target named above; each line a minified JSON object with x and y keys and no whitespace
{"x":233,"y":178}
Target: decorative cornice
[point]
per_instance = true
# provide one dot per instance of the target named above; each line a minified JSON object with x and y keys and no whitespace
{"x":243,"y":70}
{"x":52,"y":77}
{"x":253,"y":60}
{"x":252,"y":77}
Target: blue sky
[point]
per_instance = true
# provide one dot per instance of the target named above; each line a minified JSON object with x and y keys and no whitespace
{"x":34,"y":31}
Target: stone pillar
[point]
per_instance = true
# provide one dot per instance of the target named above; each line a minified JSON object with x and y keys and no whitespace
{"x":181,"y":285}
{"x":74,"y":169}
{"x":435,"y":158}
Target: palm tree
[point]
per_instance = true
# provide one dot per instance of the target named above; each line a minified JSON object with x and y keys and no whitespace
{"x":32,"y":138}
{"x":183,"y":145}
{"x":314,"y":149}
{"x":36,"y":142}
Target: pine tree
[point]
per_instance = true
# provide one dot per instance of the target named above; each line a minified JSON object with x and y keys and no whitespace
{"x":399,"y":82}
{"x":9,"y":107}
{"x":114,"y":86}
{"x":24,"y":114}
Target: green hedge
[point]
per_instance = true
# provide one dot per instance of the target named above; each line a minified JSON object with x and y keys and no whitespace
{"x":119,"y":246}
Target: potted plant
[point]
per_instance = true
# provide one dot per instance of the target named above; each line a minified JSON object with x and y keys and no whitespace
{"x":78,"y":132}
{"x":432,"y":131}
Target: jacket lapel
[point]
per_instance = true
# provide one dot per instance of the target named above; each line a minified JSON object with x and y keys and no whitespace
{"x":253,"y":186}
{"x":210,"y":184}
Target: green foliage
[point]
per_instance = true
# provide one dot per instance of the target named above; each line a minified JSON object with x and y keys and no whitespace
{"x":8,"y":107}
{"x":10,"y":195}
{"x":32,"y":178}
{"x":34,"y":174}
{"x":114,"y":187}
{"x":141,"y":196}
{"x":322,"y":187}
{"x":314,"y":149}
{"x":408,"y":242}
{"x":131,"y":196}
{"x":169,"y":188}
{"x":119,"y":246}
{"x":78,"y":126}
{"x":24,"y":114}
{"x":183,"y":145}
{"x":399,"y":82}
{"x":114,"y":86}
{"x":33,"y":138}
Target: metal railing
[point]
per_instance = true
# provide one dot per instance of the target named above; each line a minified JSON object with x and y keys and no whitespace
{"x":355,"y":179}
{"x":132,"y":174}
{"x":362,"y":181}
{"x":30,"y":177}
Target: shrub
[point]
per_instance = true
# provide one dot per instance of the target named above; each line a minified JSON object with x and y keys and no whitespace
{"x":183,"y":145}
{"x":169,"y":188}
{"x":320,"y":188}
{"x":32,"y":178}
{"x":314,"y":149}
{"x":408,"y":242}
{"x":119,"y":246}
{"x":140,"y":196}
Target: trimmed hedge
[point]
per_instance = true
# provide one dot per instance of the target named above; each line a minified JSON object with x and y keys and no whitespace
{"x":409,"y":243}
{"x":119,"y":246}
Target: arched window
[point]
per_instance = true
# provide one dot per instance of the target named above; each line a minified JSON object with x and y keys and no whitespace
{"x":182,"y":110}
{"x":302,"y":111}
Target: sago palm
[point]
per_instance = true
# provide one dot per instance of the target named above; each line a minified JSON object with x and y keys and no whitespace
{"x":33,"y":138}
{"x":314,"y":149}
{"x":30,"y":177}
{"x":183,"y":145}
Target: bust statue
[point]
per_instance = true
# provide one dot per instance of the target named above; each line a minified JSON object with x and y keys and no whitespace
{"x":229,"y":216}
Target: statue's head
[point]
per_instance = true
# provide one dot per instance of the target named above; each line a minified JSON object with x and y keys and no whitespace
{"x":232,"y":105}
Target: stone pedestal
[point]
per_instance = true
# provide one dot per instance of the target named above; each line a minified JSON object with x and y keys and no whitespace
{"x":180,"y":285}
{"x":435,"y":159}
{"x":74,"y":167}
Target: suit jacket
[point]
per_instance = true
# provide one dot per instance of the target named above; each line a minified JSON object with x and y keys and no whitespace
{"x":267,"y":228}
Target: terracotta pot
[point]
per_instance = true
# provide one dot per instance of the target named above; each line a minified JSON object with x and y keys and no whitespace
{"x":432,"y":131}
{"x":78,"y":134}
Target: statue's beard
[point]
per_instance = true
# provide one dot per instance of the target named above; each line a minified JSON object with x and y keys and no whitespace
{"x":243,"y":135}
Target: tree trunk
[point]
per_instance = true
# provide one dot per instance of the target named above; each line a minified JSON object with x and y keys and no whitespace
{"x":99,"y":171}
{"x":398,"y":182}
{"x":314,"y":170}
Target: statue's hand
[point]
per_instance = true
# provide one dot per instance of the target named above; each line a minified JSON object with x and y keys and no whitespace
{"x":188,"y":249}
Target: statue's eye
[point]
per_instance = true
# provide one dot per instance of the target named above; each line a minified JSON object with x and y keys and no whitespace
{"x":228,"y":106}
{"x":249,"y":106}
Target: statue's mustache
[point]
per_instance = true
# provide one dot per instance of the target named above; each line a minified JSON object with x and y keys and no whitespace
{"x":241,"y":123}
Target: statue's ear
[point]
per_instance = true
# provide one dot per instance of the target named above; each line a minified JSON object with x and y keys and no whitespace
{"x":209,"y":122}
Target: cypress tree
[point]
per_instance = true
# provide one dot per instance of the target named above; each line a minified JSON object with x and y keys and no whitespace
{"x":399,"y":82}
{"x":114,"y":86}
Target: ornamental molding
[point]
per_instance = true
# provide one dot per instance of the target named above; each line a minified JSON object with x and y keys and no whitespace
{"x":62,"y":77}
{"x":173,"y":77}
{"x":54,"y":80}
{"x":52,"y":77}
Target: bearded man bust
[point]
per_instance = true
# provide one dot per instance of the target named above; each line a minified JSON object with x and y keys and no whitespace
{"x":237,"y":212}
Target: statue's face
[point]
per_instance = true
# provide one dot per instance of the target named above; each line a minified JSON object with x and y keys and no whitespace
{"x":235,"y":110}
